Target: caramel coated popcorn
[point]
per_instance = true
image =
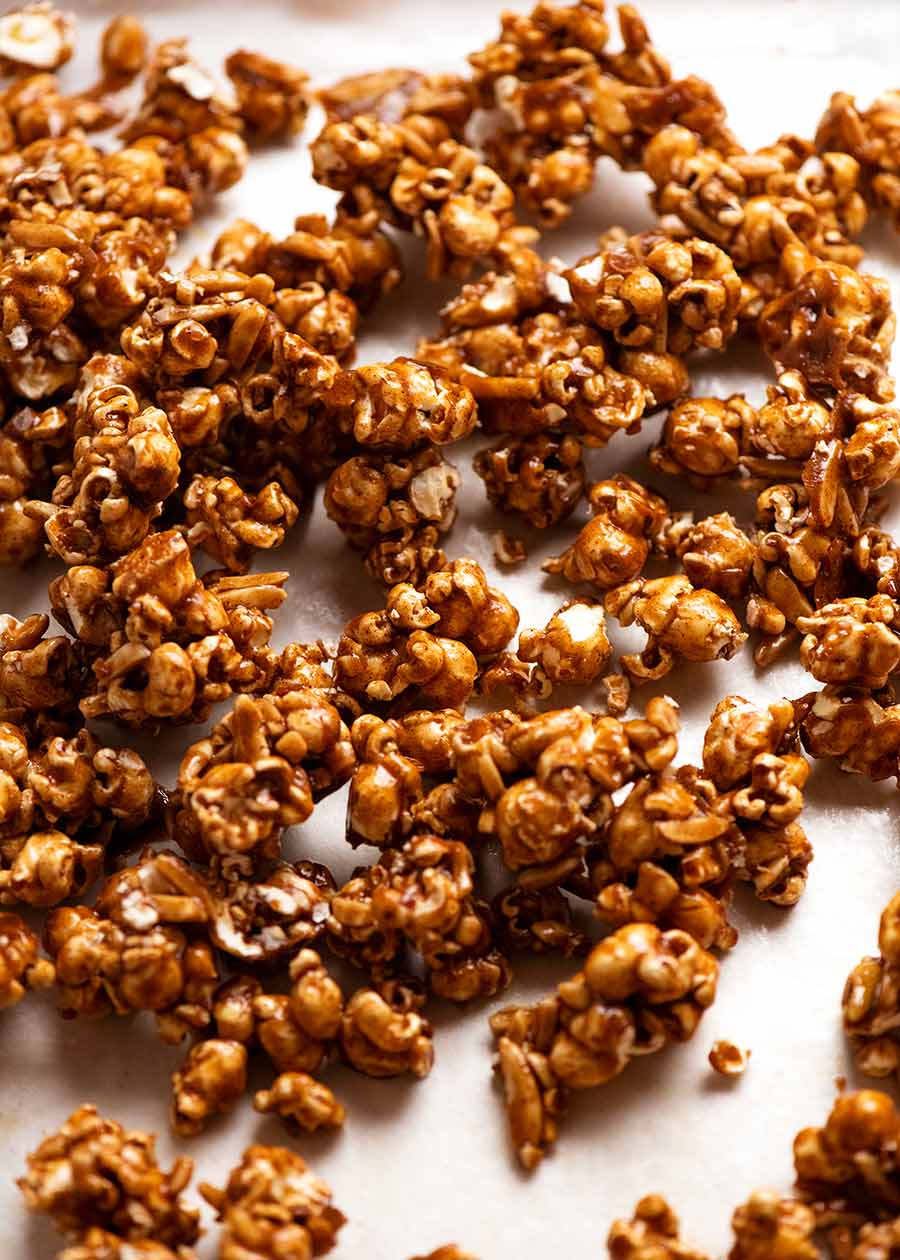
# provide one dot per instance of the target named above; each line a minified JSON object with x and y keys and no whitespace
{"x":395,"y":510}
{"x":572,"y":647}
{"x":62,"y":797}
{"x":21,"y":966}
{"x":640,"y":990}
{"x":273,"y":1205}
{"x":614,"y":547}
{"x":160,"y":426}
{"x":541,"y":478}
{"x":164,"y":645}
{"x":92,"y":1172}
{"x":260,"y":771}
{"x":871,"y":1001}
{"x":212,"y":1079}
{"x":681,"y":621}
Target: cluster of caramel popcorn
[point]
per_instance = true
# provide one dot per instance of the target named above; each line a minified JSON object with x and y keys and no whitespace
{"x":844,"y":1204}
{"x":150,"y":413}
{"x":104,"y":1190}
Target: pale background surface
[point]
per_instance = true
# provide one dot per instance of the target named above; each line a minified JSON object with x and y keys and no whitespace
{"x":421,"y":1164}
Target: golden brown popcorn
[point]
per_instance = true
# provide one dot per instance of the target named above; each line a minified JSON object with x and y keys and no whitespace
{"x":166,"y":645}
{"x":383,"y":1034}
{"x":99,"y":1244}
{"x":37,"y":674}
{"x":573,"y":646}
{"x":125,"y":464}
{"x":352,"y":930}
{"x":748,"y":752}
{"x":404,"y":403}
{"x":832,"y":325}
{"x":681,"y":621}
{"x":790,"y":422}
{"x":400,"y":779}
{"x":560,"y":99}
{"x":202,"y":325}
{"x":716,"y":554}
{"x":272,"y":96}
{"x":318,"y":258}
{"x":541,"y":477}
{"x":394,"y":94}
{"x":755,"y":205}
{"x":424,"y":891}
{"x":639,"y":990}
{"x":769,"y":1225}
{"x":847,"y":1168}
{"x":35,"y":36}
{"x":537,"y":920}
{"x":21,"y":966}
{"x":61,"y":800}
{"x":861,"y":730}
{"x":118,"y":959}
{"x":871,"y":1001}
{"x":653,"y":1233}
{"x":92,"y":1172}
{"x":229,"y":523}
{"x":852,"y":642}
{"x":457,"y":602}
{"x":123,"y":50}
{"x":260,"y":771}
{"x":29,"y":442}
{"x":870,"y":136}
{"x":378,"y":661}
{"x":300,"y":1100}
{"x":545,"y":371}
{"x":180,"y":97}
{"x":547,"y":782}
{"x":704,"y":439}
{"x":211,"y":1079}
{"x":274,"y":1206}
{"x":667,"y":856}
{"x":614,"y":546}
{"x":395,"y":509}
{"x":298,"y":1030}
{"x":658,"y":293}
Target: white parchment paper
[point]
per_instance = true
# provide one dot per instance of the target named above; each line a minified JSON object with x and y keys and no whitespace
{"x":420,"y":1164}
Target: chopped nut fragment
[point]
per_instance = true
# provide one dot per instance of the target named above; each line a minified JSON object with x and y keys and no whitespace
{"x":728,"y":1059}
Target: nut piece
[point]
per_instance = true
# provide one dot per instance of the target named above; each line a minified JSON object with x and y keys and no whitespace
{"x":212,"y":1079}
{"x":94,"y":1172}
{"x":274,"y":1207}
{"x":35,"y":37}
{"x":728,"y":1059}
